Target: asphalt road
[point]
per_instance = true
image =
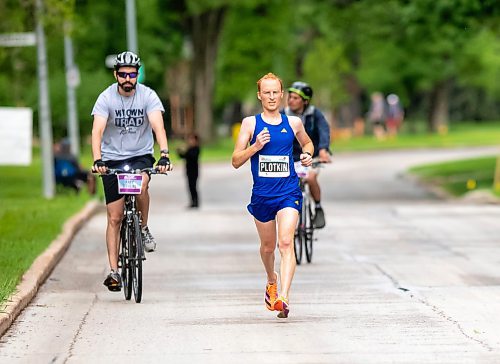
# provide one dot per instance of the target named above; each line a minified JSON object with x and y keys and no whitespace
{"x":398,"y":276}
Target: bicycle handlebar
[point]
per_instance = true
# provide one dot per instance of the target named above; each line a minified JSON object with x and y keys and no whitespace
{"x":150,"y":170}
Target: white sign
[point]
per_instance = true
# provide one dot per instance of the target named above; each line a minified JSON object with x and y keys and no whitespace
{"x":18,"y":39}
{"x":16,"y":134}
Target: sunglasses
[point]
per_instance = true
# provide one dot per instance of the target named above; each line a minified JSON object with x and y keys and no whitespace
{"x":129,"y":74}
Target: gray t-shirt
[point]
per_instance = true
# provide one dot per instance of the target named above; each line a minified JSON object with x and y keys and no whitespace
{"x":128,"y":132}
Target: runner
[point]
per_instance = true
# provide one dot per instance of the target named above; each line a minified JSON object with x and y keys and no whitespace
{"x":267,"y":140}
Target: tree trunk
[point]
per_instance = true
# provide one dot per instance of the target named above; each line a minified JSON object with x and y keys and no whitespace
{"x":439,"y":109}
{"x":205,"y":30}
{"x":354,"y":105}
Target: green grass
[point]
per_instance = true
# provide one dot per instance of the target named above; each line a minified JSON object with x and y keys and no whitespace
{"x":28,"y":222}
{"x":460,"y":177}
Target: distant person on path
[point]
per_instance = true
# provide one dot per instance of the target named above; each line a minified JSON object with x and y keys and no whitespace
{"x":68,"y":171}
{"x":316,"y":126}
{"x":191,"y":155}
{"x":377,"y":115}
{"x":395,"y":115}
{"x":125,"y":116}
{"x":267,"y":140}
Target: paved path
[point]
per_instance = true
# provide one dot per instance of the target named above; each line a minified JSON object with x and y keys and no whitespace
{"x":397,"y":276}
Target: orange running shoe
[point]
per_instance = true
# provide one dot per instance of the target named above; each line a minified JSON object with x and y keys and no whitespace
{"x":271,"y":294}
{"x":282,"y":305}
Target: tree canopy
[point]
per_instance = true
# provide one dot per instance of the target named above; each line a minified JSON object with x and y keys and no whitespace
{"x":441,"y":57}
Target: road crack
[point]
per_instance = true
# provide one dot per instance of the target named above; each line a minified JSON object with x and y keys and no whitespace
{"x":434,"y":308}
{"x":79,"y":330}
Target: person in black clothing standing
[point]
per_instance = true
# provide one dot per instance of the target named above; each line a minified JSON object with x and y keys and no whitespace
{"x":191,"y":154}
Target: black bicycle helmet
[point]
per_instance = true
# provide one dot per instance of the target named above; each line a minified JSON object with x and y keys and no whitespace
{"x":127,"y":59}
{"x":302,"y":89}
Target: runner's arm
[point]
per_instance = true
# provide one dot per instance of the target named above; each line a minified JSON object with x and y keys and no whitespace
{"x":300,"y":133}
{"x":242,"y":152}
{"x":305,"y":142}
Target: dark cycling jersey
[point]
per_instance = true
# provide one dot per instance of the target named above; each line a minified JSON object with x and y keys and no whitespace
{"x":316,"y":127}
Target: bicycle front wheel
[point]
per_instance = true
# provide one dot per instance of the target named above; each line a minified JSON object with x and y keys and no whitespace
{"x":126,"y":271}
{"x":137,"y":254}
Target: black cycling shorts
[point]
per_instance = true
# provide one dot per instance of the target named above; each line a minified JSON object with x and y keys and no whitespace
{"x":111,"y":183}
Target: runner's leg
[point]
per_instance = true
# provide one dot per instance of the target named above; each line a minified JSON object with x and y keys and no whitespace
{"x":287,"y":221}
{"x":267,"y":235}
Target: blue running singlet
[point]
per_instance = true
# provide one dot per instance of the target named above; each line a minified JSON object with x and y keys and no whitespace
{"x":272,"y":166}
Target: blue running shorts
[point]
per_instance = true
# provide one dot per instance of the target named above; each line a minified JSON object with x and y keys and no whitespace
{"x":265,"y":208}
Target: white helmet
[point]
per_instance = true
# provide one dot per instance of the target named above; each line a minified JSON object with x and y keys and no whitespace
{"x":127,"y":59}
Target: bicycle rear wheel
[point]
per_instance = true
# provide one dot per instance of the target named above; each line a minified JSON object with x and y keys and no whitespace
{"x":309,"y":230}
{"x":137,"y":250}
{"x":125,"y":261}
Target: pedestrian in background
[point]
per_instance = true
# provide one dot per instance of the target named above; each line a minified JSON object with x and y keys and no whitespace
{"x":377,"y":115}
{"x":191,"y":154}
{"x":395,"y":115}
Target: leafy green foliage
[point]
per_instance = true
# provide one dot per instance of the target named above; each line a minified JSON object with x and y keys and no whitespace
{"x":345,"y":49}
{"x":255,"y":41}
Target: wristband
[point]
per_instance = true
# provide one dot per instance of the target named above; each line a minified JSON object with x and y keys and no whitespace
{"x":310,"y":155}
{"x":164,"y":151}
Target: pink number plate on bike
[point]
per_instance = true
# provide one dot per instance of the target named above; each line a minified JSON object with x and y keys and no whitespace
{"x":129,"y":184}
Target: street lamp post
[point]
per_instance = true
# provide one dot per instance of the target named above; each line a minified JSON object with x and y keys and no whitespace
{"x":131,"y":26}
{"x":72,"y":80}
{"x":45,"y":123}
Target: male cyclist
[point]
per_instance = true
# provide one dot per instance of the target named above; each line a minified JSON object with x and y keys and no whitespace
{"x":299,"y":98}
{"x":125,"y":116}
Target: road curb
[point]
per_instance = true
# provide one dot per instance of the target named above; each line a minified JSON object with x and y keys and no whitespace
{"x":43,"y":266}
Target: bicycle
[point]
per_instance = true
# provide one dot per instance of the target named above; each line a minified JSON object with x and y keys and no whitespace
{"x":304,"y":232}
{"x":131,"y":246}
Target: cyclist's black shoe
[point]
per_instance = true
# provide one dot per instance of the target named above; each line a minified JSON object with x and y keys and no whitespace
{"x":319,"y":218}
{"x":113,"y":281}
{"x":148,"y":240}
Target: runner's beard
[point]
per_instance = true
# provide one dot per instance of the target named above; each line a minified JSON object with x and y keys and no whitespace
{"x":127,"y":86}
